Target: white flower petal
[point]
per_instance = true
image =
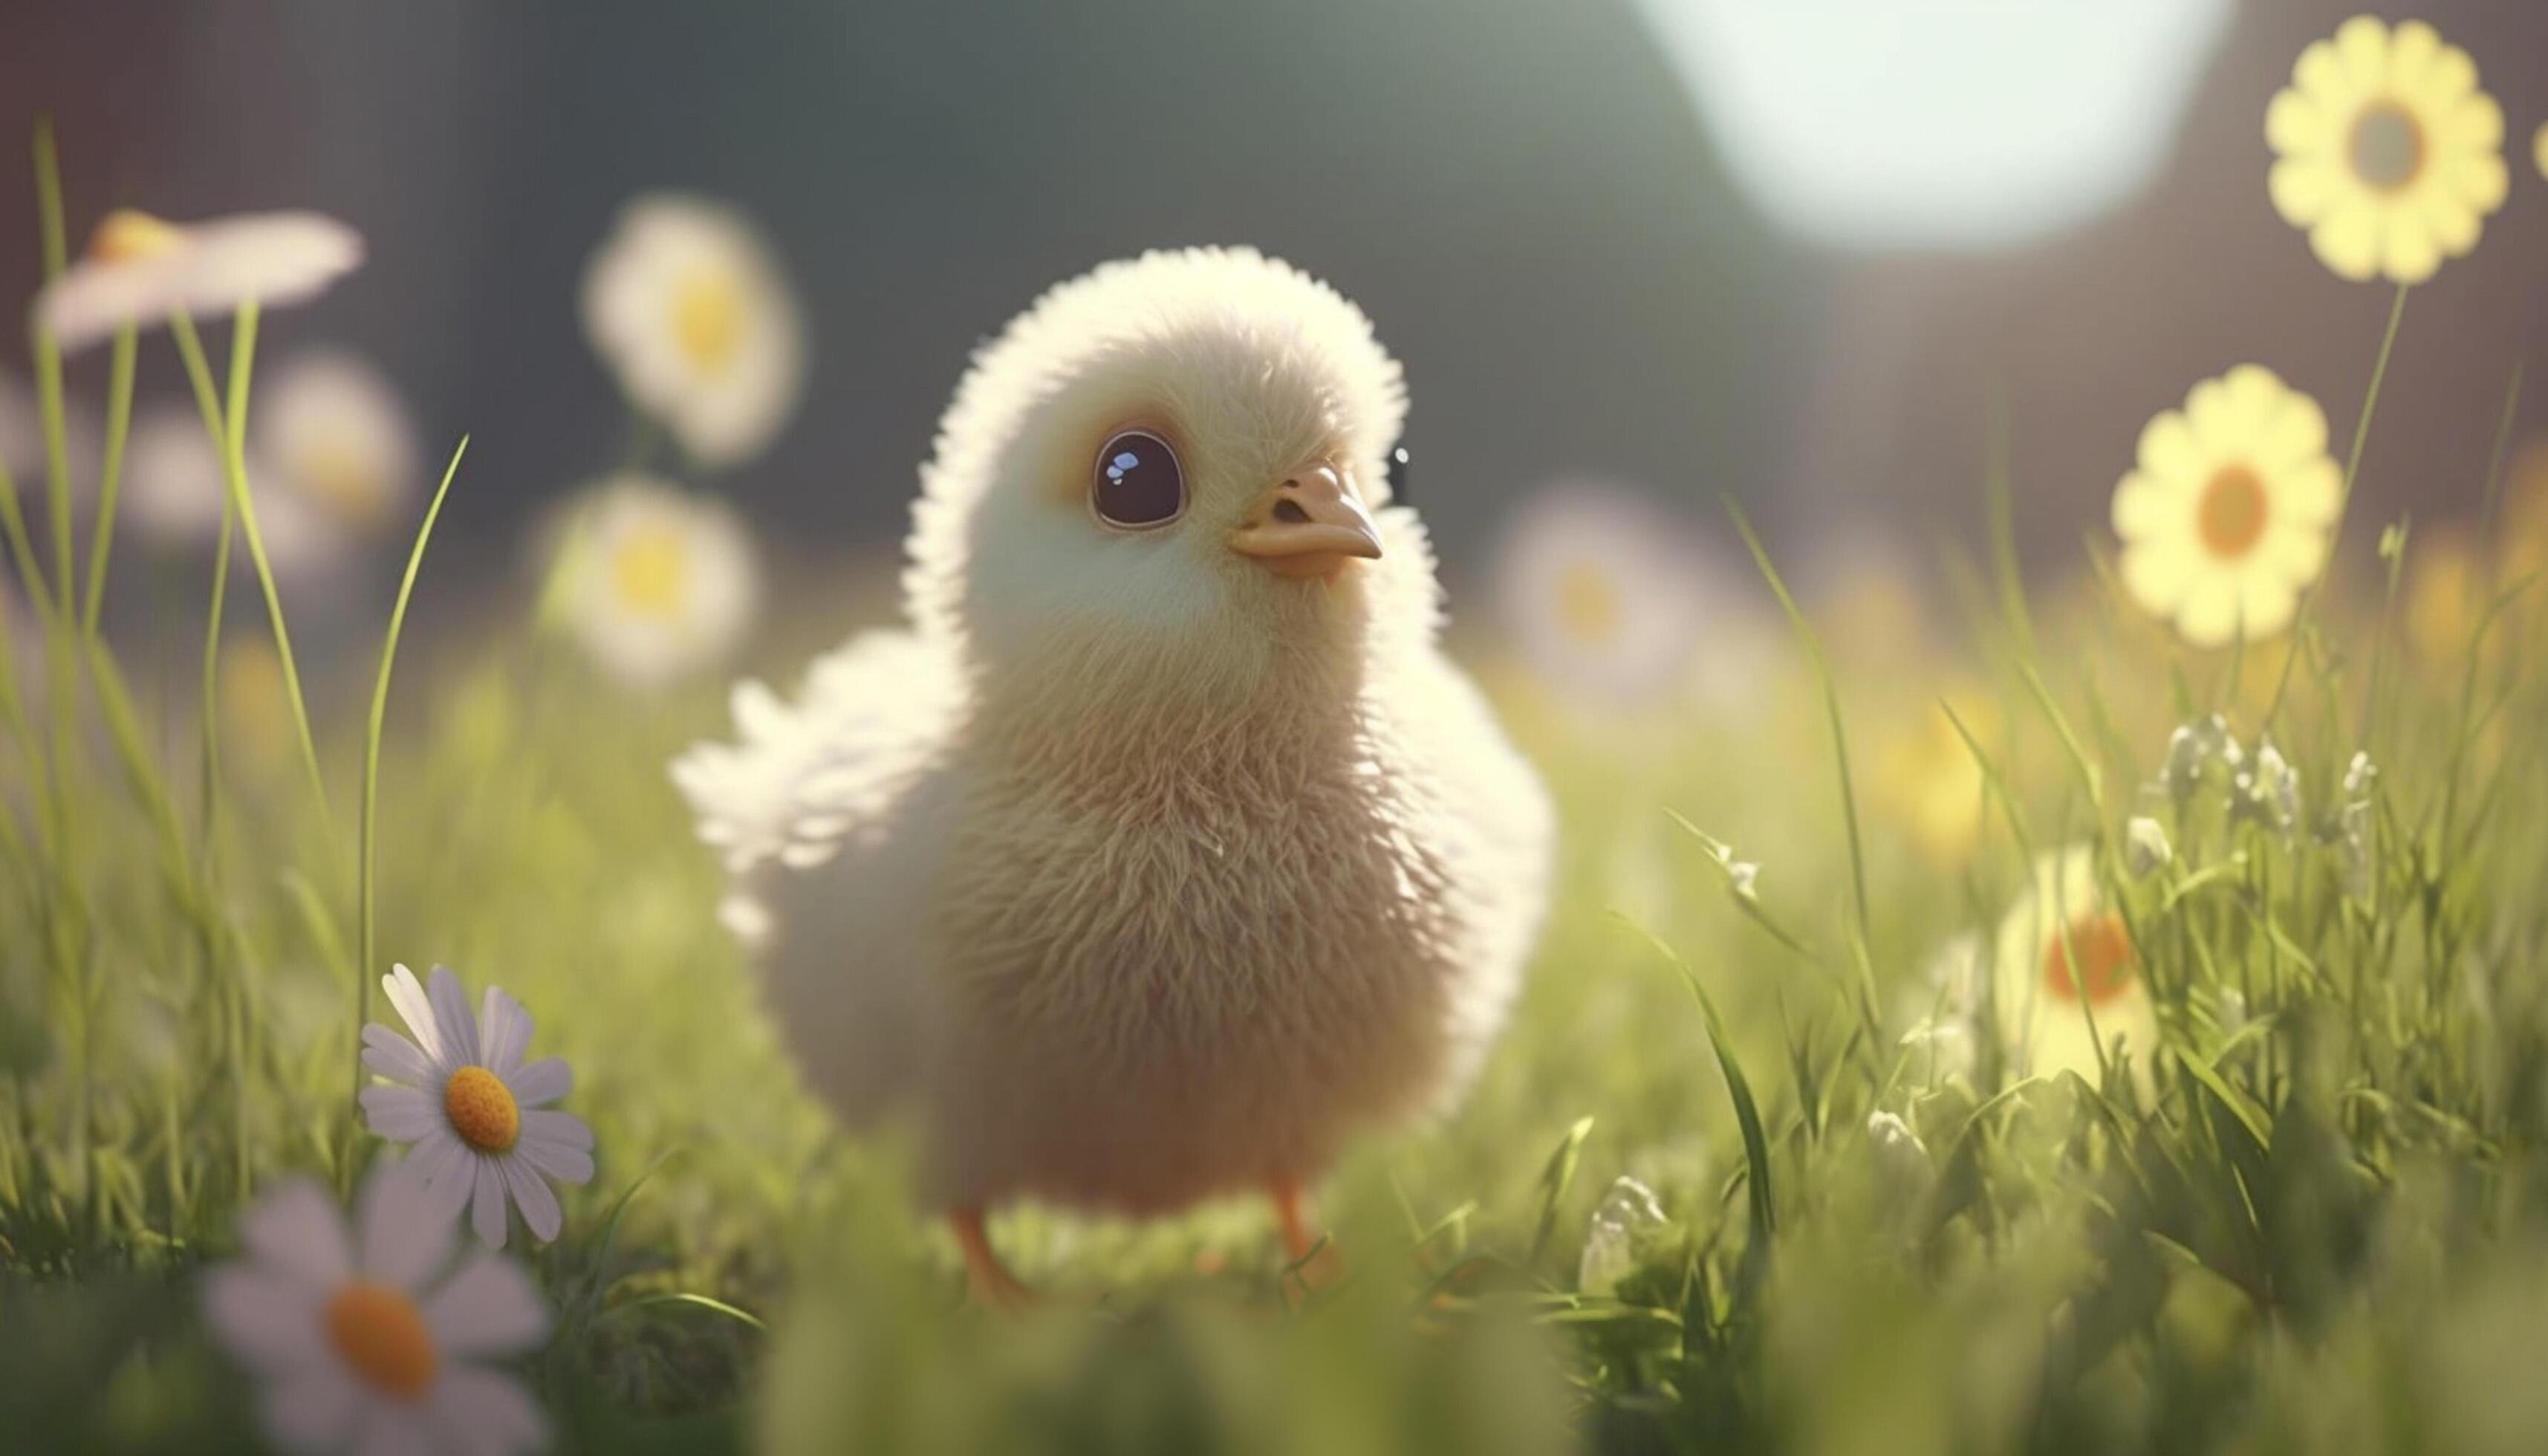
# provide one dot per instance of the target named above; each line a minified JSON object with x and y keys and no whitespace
{"x":560,"y":1162}
{"x":452,"y":1013}
{"x":486,"y":1412}
{"x":268,"y":1321}
{"x":489,"y":1308}
{"x":447,"y":1170}
{"x":394,"y":1429}
{"x":504,"y":1030}
{"x":535,"y":1197}
{"x":395,"y":1056}
{"x":400,"y":1113}
{"x":487,"y":1201}
{"x":416,"y":1010}
{"x":294,"y":1229}
{"x":404,"y":1234}
{"x":563,"y":1129}
{"x":311,"y":1410}
{"x":541,"y":1083}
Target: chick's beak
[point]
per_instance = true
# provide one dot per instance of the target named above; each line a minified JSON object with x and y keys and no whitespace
{"x":1309,"y":525}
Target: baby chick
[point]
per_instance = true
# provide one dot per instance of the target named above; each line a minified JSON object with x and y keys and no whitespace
{"x":1163,"y":847}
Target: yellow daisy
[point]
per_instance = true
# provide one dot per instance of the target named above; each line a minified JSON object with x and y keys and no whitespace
{"x":2061,"y":956}
{"x":1928,"y":779}
{"x":2387,"y":153}
{"x":2228,"y":514}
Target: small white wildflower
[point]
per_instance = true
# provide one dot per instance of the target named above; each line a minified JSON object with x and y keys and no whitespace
{"x":2234,"y":1009}
{"x":2359,"y":774}
{"x":2267,"y":791}
{"x":1742,"y":877}
{"x":1626,"y":1227}
{"x":2145,"y":847}
{"x":2182,"y":774}
{"x":1898,"y":1152}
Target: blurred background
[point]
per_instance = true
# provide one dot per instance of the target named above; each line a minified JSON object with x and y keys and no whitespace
{"x":1695,"y":246}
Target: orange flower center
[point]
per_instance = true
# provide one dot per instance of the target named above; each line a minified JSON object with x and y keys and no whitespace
{"x":128,"y":235}
{"x":2387,"y":146}
{"x":382,"y":1335}
{"x":482,"y":1109}
{"x":2105,"y":951}
{"x":2233,"y":512}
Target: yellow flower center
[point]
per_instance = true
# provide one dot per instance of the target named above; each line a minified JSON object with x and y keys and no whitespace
{"x":382,"y":1335}
{"x":709,"y":317}
{"x":482,"y":1109}
{"x":129,"y":235}
{"x":2387,"y":146}
{"x":2231,"y":515}
{"x":1588,"y":604}
{"x":344,"y":478}
{"x":650,"y":570}
{"x":2105,"y":951}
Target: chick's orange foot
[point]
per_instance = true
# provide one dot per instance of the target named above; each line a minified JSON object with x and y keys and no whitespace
{"x":993,"y":1286}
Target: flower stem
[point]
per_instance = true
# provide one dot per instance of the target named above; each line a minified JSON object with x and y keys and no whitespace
{"x":2343,"y":500}
{"x":110,"y":479}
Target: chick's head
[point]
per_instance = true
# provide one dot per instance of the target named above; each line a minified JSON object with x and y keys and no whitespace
{"x":1174,"y":469}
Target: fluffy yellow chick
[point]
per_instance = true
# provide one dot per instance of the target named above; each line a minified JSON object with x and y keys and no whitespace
{"x":1163,"y":848}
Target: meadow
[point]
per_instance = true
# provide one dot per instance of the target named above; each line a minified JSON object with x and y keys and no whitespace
{"x":2065,"y":1015}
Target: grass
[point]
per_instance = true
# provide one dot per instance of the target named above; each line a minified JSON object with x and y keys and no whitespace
{"x":2316,"y":1219}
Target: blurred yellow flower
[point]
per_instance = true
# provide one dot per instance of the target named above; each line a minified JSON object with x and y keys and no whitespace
{"x":2446,"y":578}
{"x":255,"y":714}
{"x":2061,"y":956}
{"x":2522,"y":540}
{"x":2388,"y":154}
{"x":139,"y":269}
{"x":335,"y":432}
{"x":1600,"y":591}
{"x":654,"y":580}
{"x":1927,"y":777}
{"x":2228,"y":514}
{"x":689,"y":309}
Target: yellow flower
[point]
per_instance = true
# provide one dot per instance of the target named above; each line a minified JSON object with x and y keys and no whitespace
{"x":2523,"y":539}
{"x":2061,"y":956}
{"x":139,"y":269}
{"x":2388,"y":154}
{"x":2445,"y":579}
{"x":1928,"y":778}
{"x":2228,"y":516}
{"x":1602,"y":592}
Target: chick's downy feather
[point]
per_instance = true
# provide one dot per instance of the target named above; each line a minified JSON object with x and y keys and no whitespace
{"x":1141,"y":872}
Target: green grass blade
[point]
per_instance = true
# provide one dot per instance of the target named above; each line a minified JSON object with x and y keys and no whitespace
{"x":1747,"y":1112}
{"x":1554,"y":1180}
{"x":48,"y":359}
{"x":368,"y":830}
{"x":228,"y":424}
{"x":110,"y":478}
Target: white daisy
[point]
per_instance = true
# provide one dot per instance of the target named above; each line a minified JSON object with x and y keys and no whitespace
{"x":140,"y":269}
{"x":173,"y":487}
{"x":654,"y":581}
{"x":335,"y":432}
{"x":1601,"y":591}
{"x":357,"y":1346}
{"x":690,"y":309}
{"x":472,"y":1109}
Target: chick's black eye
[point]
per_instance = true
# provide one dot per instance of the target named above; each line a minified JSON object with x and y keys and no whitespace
{"x":1398,"y":471}
{"x":1139,"y":481}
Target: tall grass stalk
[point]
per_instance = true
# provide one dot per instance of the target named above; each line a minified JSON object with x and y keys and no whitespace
{"x":228,"y":427}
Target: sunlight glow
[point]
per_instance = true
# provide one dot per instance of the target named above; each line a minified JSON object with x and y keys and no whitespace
{"x":1958,"y":125}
